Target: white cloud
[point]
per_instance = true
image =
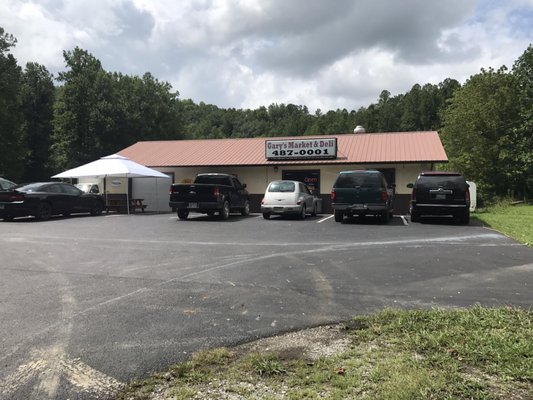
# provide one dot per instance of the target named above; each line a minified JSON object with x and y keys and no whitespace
{"x":247,"y":53}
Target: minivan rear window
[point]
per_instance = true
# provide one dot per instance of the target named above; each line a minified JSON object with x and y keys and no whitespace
{"x":353,"y":180}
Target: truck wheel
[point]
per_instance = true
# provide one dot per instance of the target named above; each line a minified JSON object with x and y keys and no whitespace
{"x":339,"y":216}
{"x":266,"y":215}
{"x":415,"y":216}
{"x":224,"y":213}
{"x":385,"y":216}
{"x":183,"y":214}
{"x":246,"y":210}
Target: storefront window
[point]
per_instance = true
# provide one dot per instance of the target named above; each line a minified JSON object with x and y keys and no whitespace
{"x":311,"y":177}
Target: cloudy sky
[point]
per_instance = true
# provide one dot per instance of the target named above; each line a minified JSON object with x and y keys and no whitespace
{"x":247,"y":53}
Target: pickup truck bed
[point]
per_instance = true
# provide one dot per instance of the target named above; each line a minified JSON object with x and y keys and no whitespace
{"x":210,"y":194}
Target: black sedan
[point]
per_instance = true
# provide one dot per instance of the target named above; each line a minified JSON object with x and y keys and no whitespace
{"x":44,"y":199}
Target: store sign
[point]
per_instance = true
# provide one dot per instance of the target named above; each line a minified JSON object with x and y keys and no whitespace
{"x":296,"y":149}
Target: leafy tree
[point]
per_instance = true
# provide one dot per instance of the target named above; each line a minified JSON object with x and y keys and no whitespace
{"x":12,"y":150}
{"x":37,"y":97}
{"x":417,"y":110}
{"x":157,"y":105}
{"x":522,"y":136}
{"x":82,"y":114}
{"x":410,"y":120}
{"x":387,"y":113}
{"x":143,"y":109}
{"x":476,"y":130}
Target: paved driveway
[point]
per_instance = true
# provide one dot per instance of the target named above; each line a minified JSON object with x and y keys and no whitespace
{"x":89,"y":302}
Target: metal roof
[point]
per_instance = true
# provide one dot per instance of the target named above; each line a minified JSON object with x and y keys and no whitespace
{"x":361,"y":148}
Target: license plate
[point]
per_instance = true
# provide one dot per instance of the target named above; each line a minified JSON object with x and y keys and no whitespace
{"x":358,"y":207}
{"x":193,"y":205}
{"x":440,"y":196}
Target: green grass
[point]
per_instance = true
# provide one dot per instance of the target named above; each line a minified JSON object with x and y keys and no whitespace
{"x":476,"y":353}
{"x":514,"y":221}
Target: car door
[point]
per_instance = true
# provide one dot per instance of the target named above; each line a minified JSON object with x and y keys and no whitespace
{"x":307,"y":196}
{"x":239,"y":196}
{"x":57,"y":198}
{"x":76,"y":200}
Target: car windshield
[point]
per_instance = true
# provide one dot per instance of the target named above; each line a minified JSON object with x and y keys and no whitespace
{"x":282,"y":187}
{"x":88,"y":187}
{"x":353,"y":180}
{"x":6,"y":185}
{"x":31,"y":187}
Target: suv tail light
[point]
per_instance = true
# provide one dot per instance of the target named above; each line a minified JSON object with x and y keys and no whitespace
{"x":333,"y":195}
{"x":216,"y":192}
{"x":263,"y":200}
{"x":170,"y":190}
{"x":467,"y":194}
{"x":384,"y":195}
{"x":413,"y":194}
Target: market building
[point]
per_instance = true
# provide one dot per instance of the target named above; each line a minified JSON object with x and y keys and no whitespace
{"x":316,"y":160}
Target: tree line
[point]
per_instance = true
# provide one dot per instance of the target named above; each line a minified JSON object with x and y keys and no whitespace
{"x":48,"y":124}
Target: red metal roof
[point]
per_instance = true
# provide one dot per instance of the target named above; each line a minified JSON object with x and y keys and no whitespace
{"x":361,"y":148}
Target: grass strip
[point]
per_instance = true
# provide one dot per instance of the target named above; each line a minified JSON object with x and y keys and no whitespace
{"x":514,"y":221}
{"x":475,"y":353}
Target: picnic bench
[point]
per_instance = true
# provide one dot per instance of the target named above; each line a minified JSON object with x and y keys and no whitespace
{"x":137,"y":204}
{"x":118,"y":202}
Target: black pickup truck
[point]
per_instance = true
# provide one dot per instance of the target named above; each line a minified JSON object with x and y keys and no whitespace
{"x":210,"y":194}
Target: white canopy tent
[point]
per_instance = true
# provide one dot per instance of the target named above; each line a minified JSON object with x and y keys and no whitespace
{"x":114,"y":165}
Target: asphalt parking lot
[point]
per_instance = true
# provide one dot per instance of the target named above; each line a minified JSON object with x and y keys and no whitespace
{"x":88,"y":303}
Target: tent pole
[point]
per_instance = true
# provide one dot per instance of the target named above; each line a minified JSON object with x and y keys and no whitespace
{"x":156,"y":195}
{"x":128,"y":194}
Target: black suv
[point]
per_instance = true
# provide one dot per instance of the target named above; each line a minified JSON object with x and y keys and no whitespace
{"x":363,"y":192}
{"x":440,"y":193}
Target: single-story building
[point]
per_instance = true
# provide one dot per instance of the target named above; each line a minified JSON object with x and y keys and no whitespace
{"x":316,"y":160}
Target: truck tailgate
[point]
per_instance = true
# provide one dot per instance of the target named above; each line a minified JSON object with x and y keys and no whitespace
{"x":358,"y":195}
{"x":193,"y":193}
